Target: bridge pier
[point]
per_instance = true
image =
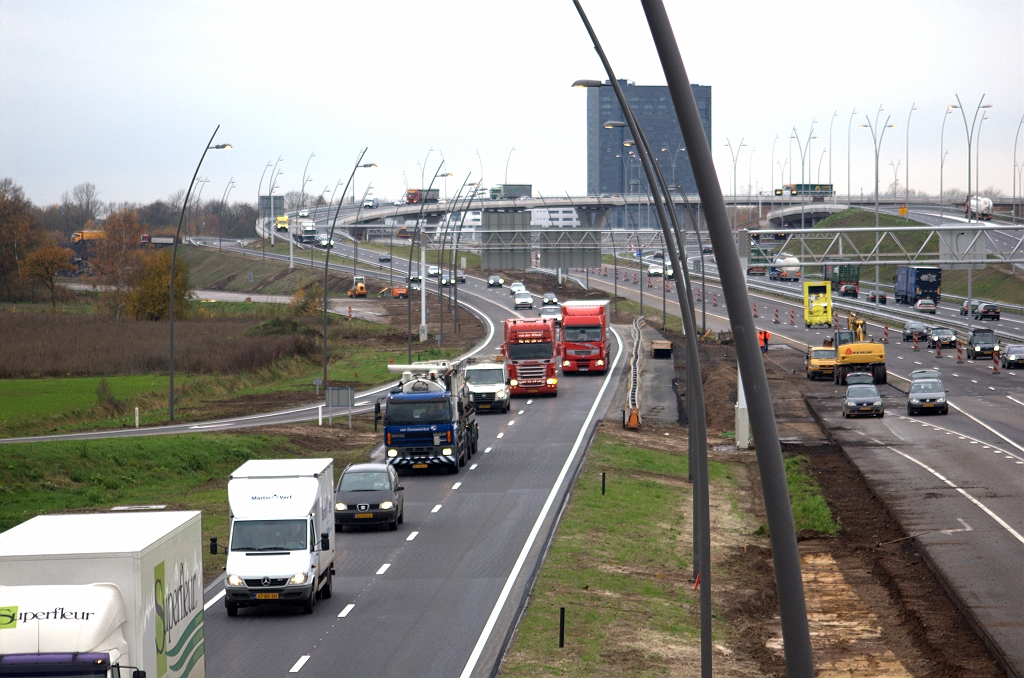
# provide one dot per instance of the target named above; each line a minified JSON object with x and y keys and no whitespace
{"x":593,"y":218}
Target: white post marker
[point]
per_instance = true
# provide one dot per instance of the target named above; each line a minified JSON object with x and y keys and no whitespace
{"x":136,"y":417}
{"x":319,"y":415}
{"x":485,"y":634}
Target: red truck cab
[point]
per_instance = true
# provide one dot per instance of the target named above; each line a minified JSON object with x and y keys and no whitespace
{"x":531,"y":354}
{"x":584,"y":336}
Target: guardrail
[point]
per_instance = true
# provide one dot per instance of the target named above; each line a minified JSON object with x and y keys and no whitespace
{"x":631,"y":415}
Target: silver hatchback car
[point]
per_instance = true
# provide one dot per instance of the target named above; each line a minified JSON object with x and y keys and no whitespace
{"x":863,"y":400}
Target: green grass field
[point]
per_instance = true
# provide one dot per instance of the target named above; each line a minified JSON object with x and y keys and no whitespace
{"x":183,"y":472}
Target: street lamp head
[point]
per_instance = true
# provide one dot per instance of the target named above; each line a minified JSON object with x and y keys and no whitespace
{"x":611,"y":124}
{"x":221,"y":147}
{"x":587,"y":83}
{"x":369,"y":164}
{"x":627,"y":142}
{"x":987,"y":106}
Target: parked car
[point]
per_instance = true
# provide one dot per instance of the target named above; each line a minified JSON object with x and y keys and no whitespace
{"x":929,"y":373}
{"x":941,"y":335}
{"x":981,"y":341}
{"x":1012,"y":356}
{"x":848,"y":291}
{"x":552,"y":312}
{"x":384,"y":258}
{"x":926,"y":395}
{"x":863,"y":400}
{"x":881,"y":297}
{"x":925,"y":306}
{"x":523,"y":300}
{"x":986,"y":310}
{"x":914,"y":328}
{"x":495,"y":281}
{"x":369,"y":494}
{"x":516,"y":287}
{"x":549,"y":299}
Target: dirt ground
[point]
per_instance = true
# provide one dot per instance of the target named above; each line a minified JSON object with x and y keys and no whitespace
{"x":874,"y":607}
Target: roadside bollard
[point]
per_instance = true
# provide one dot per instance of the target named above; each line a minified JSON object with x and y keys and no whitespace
{"x":916,"y":349}
{"x":995,"y":360}
{"x":561,"y":627}
{"x":885,"y":334}
{"x":635,"y":281}
{"x":959,"y":353}
{"x":698,"y":295}
{"x":714,"y":299}
{"x":136,"y":417}
{"x":602,"y":482}
{"x":792,"y":317}
{"x":776,"y":316}
{"x":938,"y":348}
{"x":755,"y":310}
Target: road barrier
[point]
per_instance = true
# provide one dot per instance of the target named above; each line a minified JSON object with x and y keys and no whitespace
{"x":631,"y":414}
{"x":959,"y":352}
{"x":915,"y":342}
{"x":885,"y":334}
{"x":995,"y":361}
{"x":776,"y":316}
{"x":755,"y":311}
{"x":792,"y":317}
{"x":714,"y":299}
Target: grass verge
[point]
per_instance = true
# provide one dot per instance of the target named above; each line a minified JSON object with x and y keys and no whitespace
{"x":810,"y":510}
{"x":183,"y":472}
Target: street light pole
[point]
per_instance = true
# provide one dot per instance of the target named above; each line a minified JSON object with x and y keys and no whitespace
{"x":507,"y":162}
{"x":970,"y":138}
{"x":330,"y":238}
{"x":876,"y":135}
{"x":785,"y":554}
{"x":735,"y":156}
{"x":913,"y":107}
{"x":849,"y":198}
{"x":1015,"y":170}
{"x":423,"y":264}
{"x":942,"y":161}
{"x":259,"y":189}
{"x":895,"y":179}
{"x":223,"y":206}
{"x":835,"y":114}
{"x":174,"y":256}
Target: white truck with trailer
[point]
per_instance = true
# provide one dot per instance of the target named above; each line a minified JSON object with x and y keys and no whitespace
{"x":112,"y":595}
{"x":281,"y":547}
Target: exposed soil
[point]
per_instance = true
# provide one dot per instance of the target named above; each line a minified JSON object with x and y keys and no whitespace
{"x":915,"y":627}
{"x":718,"y":376}
{"x":539,"y":283}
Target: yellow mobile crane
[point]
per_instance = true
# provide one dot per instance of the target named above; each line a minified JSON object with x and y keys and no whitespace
{"x":854,"y":353}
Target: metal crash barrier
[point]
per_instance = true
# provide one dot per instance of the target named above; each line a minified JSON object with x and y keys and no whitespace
{"x":631,"y":414}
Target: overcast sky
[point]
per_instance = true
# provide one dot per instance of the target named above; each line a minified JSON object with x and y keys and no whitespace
{"x":125,"y":94}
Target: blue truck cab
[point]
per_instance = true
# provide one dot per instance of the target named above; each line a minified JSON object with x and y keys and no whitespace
{"x":429,"y":418}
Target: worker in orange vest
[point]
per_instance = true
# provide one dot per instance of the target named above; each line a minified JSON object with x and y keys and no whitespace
{"x":767,"y":336}
{"x":760,"y":340}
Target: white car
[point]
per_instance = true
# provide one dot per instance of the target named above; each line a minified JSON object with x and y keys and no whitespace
{"x":303,"y":213}
{"x":433,"y":271}
{"x":523,"y":300}
{"x":654,"y":270}
{"x":552,"y":312}
{"x":516,"y":287}
{"x":488,"y":386}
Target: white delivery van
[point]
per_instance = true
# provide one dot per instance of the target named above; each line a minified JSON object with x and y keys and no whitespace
{"x":281,"y":547}
{"x":107,"y":595}
{"x":488,"y":386}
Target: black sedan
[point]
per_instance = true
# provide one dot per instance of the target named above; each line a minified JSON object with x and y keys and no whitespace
{"x":369,"y":494}
{"x":549,"y":299}
{"x":881,"y":297}
{"x":914,"y":328}
{"x":848,"y":291}
{"x":863,"y":399}
{"x":445,"y":280}
{"x":1011,"y":356}
{"x":941,"y":335}
{"x":383,"y":258}
{"x":986,"y":311}
{"x":495,"y":281}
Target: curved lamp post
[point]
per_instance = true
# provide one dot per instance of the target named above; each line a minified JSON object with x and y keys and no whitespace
{"x":1015,"y":170}
{"x":174,"y":256}
{"x":942,"y":160}
{"x":877,"y":134}
{"x":330,"y":238}
{"x":507,"y":162}
{"x":913,"y":107}
{"x":259,"y":189}
{"x":848,"y":127}
{"x":223,"y":206}
{"x":423,"y":265}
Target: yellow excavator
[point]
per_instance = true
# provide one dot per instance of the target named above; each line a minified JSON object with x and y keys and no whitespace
{"x":854,"y":353}
{"x":358,"y":287}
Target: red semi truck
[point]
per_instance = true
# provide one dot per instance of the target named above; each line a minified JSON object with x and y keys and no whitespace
{"x":584,"y":336}
{"x":531,"y":354}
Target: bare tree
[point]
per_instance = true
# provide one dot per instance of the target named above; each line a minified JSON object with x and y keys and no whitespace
{"x":119,"y":256}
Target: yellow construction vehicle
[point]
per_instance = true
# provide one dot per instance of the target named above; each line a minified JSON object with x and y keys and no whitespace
{"x":358,"y":287}
{"x":854,"y":353}
{"x":817,"y":303}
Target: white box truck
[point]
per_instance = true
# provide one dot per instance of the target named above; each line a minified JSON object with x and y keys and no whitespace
{"x":113,"y":595}
{"x":281,"y":547}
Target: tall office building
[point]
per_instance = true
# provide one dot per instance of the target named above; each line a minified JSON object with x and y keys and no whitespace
{"x":612,"y":168}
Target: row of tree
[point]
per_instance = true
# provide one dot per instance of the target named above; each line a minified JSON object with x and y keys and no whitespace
{"x":135,"y":280}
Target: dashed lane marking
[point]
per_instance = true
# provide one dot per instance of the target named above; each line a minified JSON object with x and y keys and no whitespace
{"x":511,"y":421}
{"x":500,"y":435}
{"x":472,"y":467}
{"x":211,"y":601}
{"x":297,"y":666}
{"x":521,"y":411}
{"x":347,"y":609}
{"x":456,"y":486}
{"x":487,"y":449}
{"x":383,"y":568}
{"x":436,"y":509}
{"x":412,"y":535}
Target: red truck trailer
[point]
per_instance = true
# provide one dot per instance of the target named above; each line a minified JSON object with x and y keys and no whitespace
{"x":584,"y":336}
{"x":531,"y":354}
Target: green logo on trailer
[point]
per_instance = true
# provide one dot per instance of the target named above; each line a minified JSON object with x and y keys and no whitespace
{"x":8,"y":617}
{"x":160,"y":635}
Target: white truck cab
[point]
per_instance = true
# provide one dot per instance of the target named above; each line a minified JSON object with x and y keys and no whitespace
{"x":281,"y":547}
{"x":488,"y":386}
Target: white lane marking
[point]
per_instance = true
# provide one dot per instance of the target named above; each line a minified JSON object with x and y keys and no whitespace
{"x":916,"y":362}
{"x":955,"y":374}
{"x":344,"y":612}
{"x":472,"y":467}
{"x":487,"y":449}
{"x":521,"y":411}
{"x":478,"y":649}
{"x":500,"y":435}
{"x":1017,"y":535}
{"x":436,"y":509}
{"x":297,"y":666}
{"x":355,"y":404}
{"x":511,"y":421}
{"x":974,"y":381}
{"x":1015,"y":400}
{"x":900,"y":357}
{"x":529,"y":402}
{"x":412,"y":535}
{"x":383,"y":568}
{"x":978,"y":421}
{"x":213,"y":600}
{"x":202,"y":426}
{"x":456,"y":486}
{"x":992,"y":388}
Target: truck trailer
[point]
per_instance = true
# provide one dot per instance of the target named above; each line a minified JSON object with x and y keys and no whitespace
{"x":282,"y":508}
{"x":129,"y":602}
{"x":511,"y":191}
{"x":531,"y":354}
{"x":918,"y":282}
{"x":842,"y":274}
{"x":415,"y":196}
{"x":584,"y":346}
